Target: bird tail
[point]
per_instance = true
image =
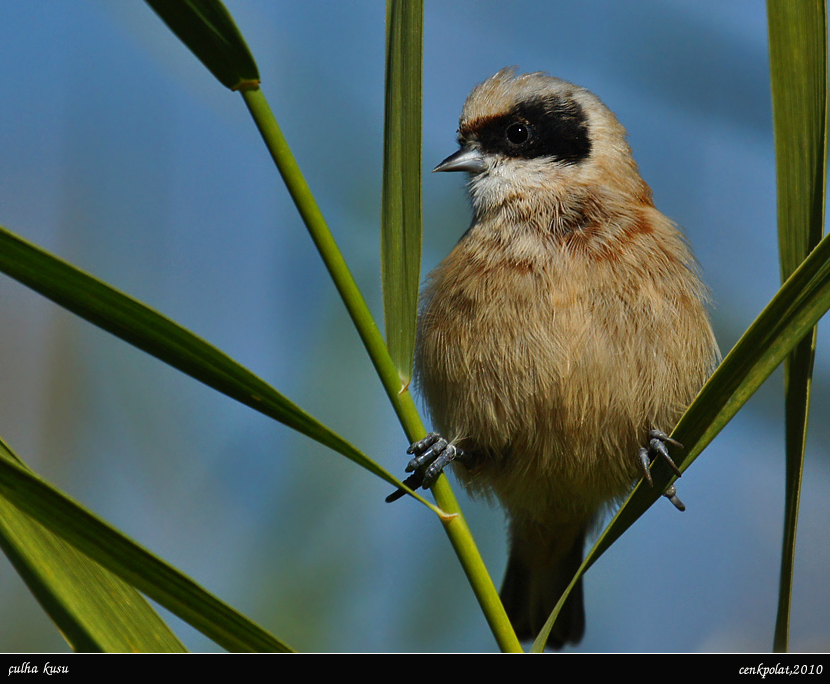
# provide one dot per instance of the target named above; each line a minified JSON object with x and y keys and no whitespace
{"x":539,"y":569}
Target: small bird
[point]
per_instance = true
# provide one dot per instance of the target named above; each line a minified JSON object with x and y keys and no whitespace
{"x":563,"y":336}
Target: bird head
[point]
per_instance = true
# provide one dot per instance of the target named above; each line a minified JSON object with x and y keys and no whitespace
{"x":536,"y":135}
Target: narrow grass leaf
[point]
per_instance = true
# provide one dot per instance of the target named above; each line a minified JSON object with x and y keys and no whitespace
{"x":136,"y":566}
{"x":798,"y":67}
{"x":400,"y":233}
{"x":148,"y":330}
{"x":94,"y":610}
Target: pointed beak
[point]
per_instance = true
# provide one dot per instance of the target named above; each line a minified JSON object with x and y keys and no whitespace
{"x":466,"y":159}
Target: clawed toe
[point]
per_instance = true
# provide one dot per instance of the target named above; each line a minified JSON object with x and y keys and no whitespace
{"x":433,"y":452}
{"x":413,"y":482}
{"x":671,"y":495}
{"x":425,"y":450}
{"x":657,"y":448}
{"x":429,"y":458}
{"x":657,"y":441}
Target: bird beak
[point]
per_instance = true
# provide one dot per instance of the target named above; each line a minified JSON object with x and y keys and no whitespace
{"x":466,"y":159}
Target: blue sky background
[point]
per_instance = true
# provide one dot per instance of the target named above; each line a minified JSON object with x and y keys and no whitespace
{"x":121,"y":154}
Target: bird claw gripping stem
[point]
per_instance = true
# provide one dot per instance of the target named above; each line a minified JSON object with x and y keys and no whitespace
{"x":429,"y":458}
{"x":657,"y":448}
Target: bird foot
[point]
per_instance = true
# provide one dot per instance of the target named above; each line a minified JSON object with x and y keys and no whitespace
{"x":657,"y":448}
{"x":434,"y":452}
{"x":429,"y":458}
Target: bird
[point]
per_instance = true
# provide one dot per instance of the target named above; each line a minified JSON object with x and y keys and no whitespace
{"x":563,"y":336}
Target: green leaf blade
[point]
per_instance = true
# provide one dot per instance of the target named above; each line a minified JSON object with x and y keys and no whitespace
{"x":94,"y":610}
{"x":401,"y":202}
{"x":791,"y":314}
{"x":133,"y":564}
{"x":798,"y":68}
{"x":208,"y":30}
{"x":157,"y":335}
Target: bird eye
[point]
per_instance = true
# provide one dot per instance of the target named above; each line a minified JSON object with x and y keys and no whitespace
{"x":517,"y":133}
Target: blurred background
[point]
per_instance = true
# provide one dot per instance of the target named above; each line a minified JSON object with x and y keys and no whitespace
{"x":120,"y":153}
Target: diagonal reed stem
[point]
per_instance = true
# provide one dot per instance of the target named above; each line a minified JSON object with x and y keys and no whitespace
{"x":451,"y":517}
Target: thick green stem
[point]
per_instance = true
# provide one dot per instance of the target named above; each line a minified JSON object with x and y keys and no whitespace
{"x":453,"y":520}
{"x":480,"y":581}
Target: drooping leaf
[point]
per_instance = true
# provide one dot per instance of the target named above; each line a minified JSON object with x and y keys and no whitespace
{"x":148,"y":330}
{"x":208,"y":29}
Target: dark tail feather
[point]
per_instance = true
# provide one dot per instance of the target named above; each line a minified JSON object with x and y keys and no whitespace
{"x":534,"y":581}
